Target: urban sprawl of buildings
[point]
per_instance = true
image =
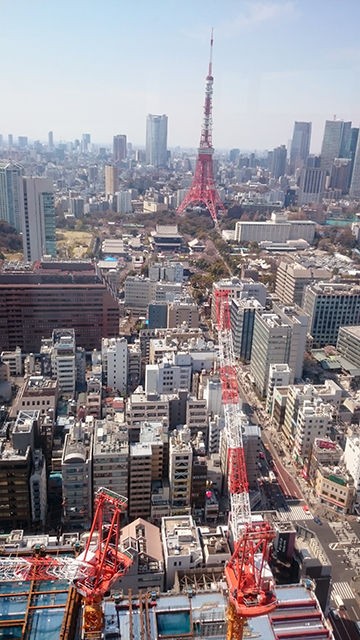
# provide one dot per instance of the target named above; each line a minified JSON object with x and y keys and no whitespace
{"x":110,"y":373}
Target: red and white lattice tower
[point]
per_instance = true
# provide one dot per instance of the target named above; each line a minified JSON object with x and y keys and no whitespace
{"x":202,"y":190}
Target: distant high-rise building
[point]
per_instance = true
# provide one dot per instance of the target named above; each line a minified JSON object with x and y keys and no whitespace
{"x":336,"y":142}
{"x":22,"y":142}
{"x":38,"y":224}
{"x":341,"y":174}
{"x":312,"y":181}
{"x":278,"y":162}
{"x":234,"y":155}
{"x":10,"y":140}
{"x":355,"y":178}
{"x":300,"y":145}
{"x":156,"y":140}
{"x":11,"y":194}
{"x":85,"y":142}
{"x":50,"y":140}
{"x":111,"y":180}
{"x":119,"y":148}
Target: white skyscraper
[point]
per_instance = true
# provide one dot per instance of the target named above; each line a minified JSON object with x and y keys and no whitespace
{"x":156,"y":140}
{"x":38,"y":223}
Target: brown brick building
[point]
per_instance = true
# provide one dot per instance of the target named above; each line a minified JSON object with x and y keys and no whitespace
{"x":53,"y":295}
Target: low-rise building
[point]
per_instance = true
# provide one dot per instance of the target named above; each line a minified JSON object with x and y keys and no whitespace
{"x":38,"y":393}
{"x":181,"y":545}
{"x":143,"y":540}
{"x":335,"y":487}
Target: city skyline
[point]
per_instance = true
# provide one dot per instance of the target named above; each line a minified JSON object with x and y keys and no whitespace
{"x":105,"y":69}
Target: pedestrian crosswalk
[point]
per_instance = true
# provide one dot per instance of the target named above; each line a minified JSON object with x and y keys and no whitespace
{"x":343,"y":590}
{"x":294,"y":512}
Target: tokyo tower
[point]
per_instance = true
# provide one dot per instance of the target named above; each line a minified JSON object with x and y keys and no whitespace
{"x":202,"y":190}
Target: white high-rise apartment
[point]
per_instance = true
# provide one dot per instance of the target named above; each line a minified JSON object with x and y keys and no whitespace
{"x":38,"y":224}
{"x":63,"y":359}
{"x":279,"y":338}
{"x":180,"y":465}
{"x":110,"y":456}
{"x":115,"y":361}
{"x":314,"y":420}
{"x":11,"y":194}
{"x":156,"y":140}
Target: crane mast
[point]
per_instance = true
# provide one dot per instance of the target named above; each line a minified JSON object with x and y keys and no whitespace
{"x":249,"y":580}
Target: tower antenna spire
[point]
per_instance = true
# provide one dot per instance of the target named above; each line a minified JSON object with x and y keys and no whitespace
{"x":211,"y":52}
{"x":202,"y":190}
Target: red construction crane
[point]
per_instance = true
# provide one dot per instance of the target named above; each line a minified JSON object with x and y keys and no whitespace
{"x":249,"y":580}
{"x":202,"y":190}
{"x":93,"y":571}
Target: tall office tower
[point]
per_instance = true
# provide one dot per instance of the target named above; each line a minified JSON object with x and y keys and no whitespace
{"x":156,"y":140}
{"x":340,"y":174}
{"x":123,"y":201}
{"x":336,"y":142}
{"x":38,"y":224}
{"x":85,"y":142}
{"x":1,"y":140}
{"x":355,"y":178}
{"x":119,"y":148}
{"x":10,"y":140}
{"x":300,"y":145}
{"x":279,"y":338}
{"x":312,"y":181}
{"x":242,"y":318}
{"x":330,"y":306}
{"x":278,"y":162}
{"x":50,"y":140}
{"x":11,"y":194}
{"x":234,"y":155}
{"x":111,"y":180}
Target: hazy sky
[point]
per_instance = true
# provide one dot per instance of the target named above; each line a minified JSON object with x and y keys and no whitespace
{"x":101,"y":66}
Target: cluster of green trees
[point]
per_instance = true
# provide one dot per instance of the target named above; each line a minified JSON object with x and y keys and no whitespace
{"x":10,"y":239}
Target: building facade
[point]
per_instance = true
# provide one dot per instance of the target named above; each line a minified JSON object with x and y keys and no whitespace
{"x":38,"y":223}
{"x":330,"y":306}
{"x":11,"y":194}
{"x":52,"y":295}
{"x":156,"y":140}
{"x":300,"y":145}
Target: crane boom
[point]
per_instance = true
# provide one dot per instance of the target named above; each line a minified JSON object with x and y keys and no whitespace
{"x":250,"y":582}
{"x":94,"y":570}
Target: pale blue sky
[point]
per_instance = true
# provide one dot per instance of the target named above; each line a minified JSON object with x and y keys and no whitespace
{"x":101,"y":66}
